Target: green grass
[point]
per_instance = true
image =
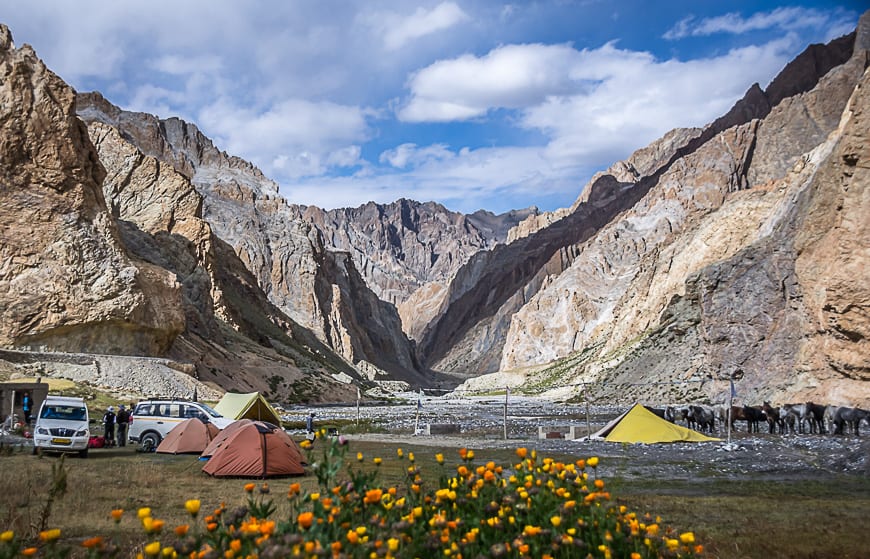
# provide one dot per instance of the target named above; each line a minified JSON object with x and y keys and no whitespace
{"x":794,"y":518}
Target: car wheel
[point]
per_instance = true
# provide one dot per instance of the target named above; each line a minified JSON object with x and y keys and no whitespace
{"x":83,"y":453}
{"x":150,"y":440}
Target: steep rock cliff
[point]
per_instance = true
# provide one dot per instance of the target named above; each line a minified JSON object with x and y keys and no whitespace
{"x":234,"y":337}
{"x":285,"y":253}
{"x":408,"y":251}
{"x":66,"y":280}
{"x":700,"y":278}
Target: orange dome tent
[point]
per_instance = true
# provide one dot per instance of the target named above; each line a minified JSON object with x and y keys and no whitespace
{"x":256,"y":449}
{"x":191,"y":436}
{"x":221,"y":437}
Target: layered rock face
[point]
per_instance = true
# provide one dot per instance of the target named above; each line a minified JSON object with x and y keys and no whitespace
{"x":738,"y":258}
{"x":312,"y":283}
{"x":408,"y":251}
{"x":742,"y":246}
{"x":104,"y":251}
{"x":66,"y":280}
{"x":234,"y":337}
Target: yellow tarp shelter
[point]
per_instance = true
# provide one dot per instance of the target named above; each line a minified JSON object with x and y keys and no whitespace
{"x":247,"y":406}
{"x":639,"y":425}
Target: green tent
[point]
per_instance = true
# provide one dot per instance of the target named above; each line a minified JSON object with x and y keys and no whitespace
{"x":247,"y":406}
{"x":639,"y":425}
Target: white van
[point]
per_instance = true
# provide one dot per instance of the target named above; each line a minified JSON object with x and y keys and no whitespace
{"x":62,"y":426}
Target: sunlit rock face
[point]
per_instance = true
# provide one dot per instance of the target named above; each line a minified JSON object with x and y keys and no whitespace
{"x":67,"y":281}
{"x":744,"y":252}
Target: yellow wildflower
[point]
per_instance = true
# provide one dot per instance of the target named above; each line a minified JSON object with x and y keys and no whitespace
{"x":152,"y":549}
{"x":592,"y":462}
{"x":50,"y":535}
{"x":687,"y":538}
{"x":192,"y":506}
{"x":144,"y":512}
{"x":7,"y":536}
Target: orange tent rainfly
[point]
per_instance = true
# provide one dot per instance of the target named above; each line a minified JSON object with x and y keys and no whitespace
{"x":191,"y":436}
{"x":221,"y":437}
{"x":255,"y":449}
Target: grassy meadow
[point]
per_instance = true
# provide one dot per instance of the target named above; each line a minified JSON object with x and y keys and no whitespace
{"x":799,"y":518}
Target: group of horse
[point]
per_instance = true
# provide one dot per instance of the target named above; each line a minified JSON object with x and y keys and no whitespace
{"x":788,"y":418}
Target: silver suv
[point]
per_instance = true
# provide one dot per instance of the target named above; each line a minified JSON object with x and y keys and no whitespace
{"x":152,"y":420}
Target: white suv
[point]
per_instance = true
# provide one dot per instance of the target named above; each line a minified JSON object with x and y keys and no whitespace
{"x":62,"y":426}
{"x":152,"y":420}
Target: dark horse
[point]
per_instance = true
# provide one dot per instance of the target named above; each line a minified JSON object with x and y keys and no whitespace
{"x":774,"y":419}
{"x":752,"y":416}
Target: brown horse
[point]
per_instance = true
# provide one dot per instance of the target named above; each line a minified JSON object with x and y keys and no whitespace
{"x":774,"y":419}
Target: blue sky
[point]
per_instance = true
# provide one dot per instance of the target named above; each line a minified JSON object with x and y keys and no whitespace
{"x":474,"y":104}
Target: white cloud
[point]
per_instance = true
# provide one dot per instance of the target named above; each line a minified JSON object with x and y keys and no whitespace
{"x":397,"y":30}
{"x":591,"y":103}
{"x":288,"y":86}
{"x":638,"y":98}
{"x":511,"y":76}
{"x":782,"y":18}
{"x":293,"y":138}
{"x":412,"y":155}
{"x":178,"y":64}
{"x":466,"y":180}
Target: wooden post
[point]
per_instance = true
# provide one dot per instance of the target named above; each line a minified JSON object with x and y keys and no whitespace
{"x":730,"y":402}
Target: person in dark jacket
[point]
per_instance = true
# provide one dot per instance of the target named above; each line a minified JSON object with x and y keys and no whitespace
{"x":122,"y":420}
{"x":109,"y":426}
{"x":309,"y":426}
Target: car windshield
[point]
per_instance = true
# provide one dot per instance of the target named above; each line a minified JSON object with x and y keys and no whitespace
{"x":70,"y":413}
{"x":210,"y":411}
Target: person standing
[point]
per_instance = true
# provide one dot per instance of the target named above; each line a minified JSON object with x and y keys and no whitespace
{"x":109,"y":426}
{"x":122,"y":420}
{"x":309,"y":426}
{"x":26,"y":406}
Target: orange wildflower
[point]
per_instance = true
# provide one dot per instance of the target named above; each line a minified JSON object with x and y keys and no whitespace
{"x":305,"y":520}
{"x":373,"y":496}
{"x":92,"y":543}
